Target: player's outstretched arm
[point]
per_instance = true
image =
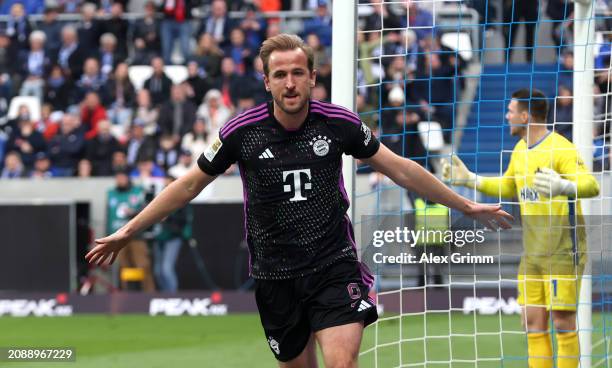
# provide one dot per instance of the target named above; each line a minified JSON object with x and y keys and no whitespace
{"x":174,"y":196}
{"x":456,"y":173}
{"x":410,"y":175}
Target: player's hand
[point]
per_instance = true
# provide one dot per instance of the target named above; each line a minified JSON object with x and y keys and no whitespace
{"x":549,"y":184}
{"x":492,"y":216}
{"x":456,"y":173}
{"x":106,"y":248}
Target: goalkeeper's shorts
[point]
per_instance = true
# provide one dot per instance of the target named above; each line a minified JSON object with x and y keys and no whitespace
{"x":553,"y":292}
{"x":291,"y":310}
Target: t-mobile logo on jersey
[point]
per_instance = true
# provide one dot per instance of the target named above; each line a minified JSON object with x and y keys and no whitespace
{"x":297,"y":187}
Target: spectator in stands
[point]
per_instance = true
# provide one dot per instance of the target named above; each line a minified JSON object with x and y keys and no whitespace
{"x":18,"y":27}
{"x":320,"y":24}
{"x":208,"y":55}
{"x":214,"y":113}
{"x":42,"y":167}
{"x":159,"y":84}
{"x":108,"y":56}
{"x":566,"y":69}
{"x":217,"y":24}
{"x":91,"y":80}
{"x":420,"y":20}
{"x":176,"y":24}
{"x":167,"y":153}
{"x":273,"y":29}
{"x":124,"y":201}
{"x":119,"y":161}
{"x":320,"y":52}
{"x":319,"y":93}
{"x":26,"y":141}
{"x":176,"y":116}
{"x":147,"y":39}
{"x":89,"y":29}
{"x":183,"y":165}
{"x":58,"y":89}
{"x":48,"y":124}
{"x":517,"y":12}
{"x":84,"y":168}
{"x":252,"y":83}
{"x":254,"y":27}
{"x":70,"y":55}
{"x":146,"y":113}
{"x":324,"y":74}
{"x":118,"y":27}
{"x":52,"y":29}
{"x":13,"y":167}
{"x":138,"y":144}
{"x":174,"y":230}
{"x":562,"y":116}
{"x":121,"y":96}
{"x":148,"y":174}
{"x":228,"y":83}
{"x":436,"y":84}
{"x":92,"y":112}
{"x":238,"y":51}
{"x":195,"y":85}
{"x":23,"y":113}
{"x":558,"y":11}
{"x":7,"y":69}
{"x":101,"y":148}
{"x":34,"y":66}
{"x":197,"y":139}
{"x":403,"y":123}
{"x":68,"y":146}
{"x":381,"y":18}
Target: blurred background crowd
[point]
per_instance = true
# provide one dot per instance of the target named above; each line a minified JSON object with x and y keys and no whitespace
{"x":87,"y":88}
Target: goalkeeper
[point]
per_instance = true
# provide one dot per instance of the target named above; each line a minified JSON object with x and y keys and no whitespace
{"x":548,"y":176}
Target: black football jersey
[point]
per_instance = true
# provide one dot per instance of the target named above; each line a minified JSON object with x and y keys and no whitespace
{"x":295,"y":202}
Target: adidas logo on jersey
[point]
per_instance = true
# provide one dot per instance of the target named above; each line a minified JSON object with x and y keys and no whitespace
{"x":363,"y":306}
{"x":266,"y":154}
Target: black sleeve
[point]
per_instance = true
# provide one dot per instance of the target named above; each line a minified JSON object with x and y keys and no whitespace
{"x":359,"y":141}
{"x":220,"y":155}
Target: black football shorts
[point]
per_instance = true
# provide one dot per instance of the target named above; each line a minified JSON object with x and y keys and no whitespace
{"x":291,"y":310}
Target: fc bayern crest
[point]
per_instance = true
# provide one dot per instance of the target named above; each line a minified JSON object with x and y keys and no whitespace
{"x":320,"y":145}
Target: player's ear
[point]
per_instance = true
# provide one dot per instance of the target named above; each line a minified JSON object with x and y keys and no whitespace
{"x":525,"y":116}
{"x":266,"y":82}
{"x":313,"y":78}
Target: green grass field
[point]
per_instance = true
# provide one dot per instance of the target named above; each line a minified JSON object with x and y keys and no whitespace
{"x":237,"y":341}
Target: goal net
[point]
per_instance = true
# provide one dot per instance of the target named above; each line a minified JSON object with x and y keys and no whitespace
{"x":433,"y":79}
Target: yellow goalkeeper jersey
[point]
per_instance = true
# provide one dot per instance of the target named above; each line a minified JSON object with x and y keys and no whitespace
{"x":548,"y":223}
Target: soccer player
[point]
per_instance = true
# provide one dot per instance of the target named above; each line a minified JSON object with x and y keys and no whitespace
{"x":309,"y":284}
{"x":548,"y":176}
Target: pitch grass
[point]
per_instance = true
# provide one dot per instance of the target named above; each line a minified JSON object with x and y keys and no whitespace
{"x":238,"y":341}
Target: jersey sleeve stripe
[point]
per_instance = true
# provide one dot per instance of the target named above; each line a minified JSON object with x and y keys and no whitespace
{"x":336,"y":115}
{"x":253,"y":119}
{"x":332,"y":107}
{"x":245,"y":115}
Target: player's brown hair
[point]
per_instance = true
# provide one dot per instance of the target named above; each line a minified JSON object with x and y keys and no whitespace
{"x":533,"y":101}
{"x":284,"y":42}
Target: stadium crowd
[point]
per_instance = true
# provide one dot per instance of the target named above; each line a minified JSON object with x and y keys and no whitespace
{"x":95,"y":119}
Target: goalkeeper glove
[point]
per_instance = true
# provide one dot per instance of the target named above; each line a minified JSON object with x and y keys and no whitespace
{"x":456,"y":173}
{"x":550,"y":184}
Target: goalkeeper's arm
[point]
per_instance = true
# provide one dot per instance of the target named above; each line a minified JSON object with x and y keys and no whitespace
{"x":456,"y":173}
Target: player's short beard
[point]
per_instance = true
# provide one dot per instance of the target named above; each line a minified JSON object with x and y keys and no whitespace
{"x":299,"y":109}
